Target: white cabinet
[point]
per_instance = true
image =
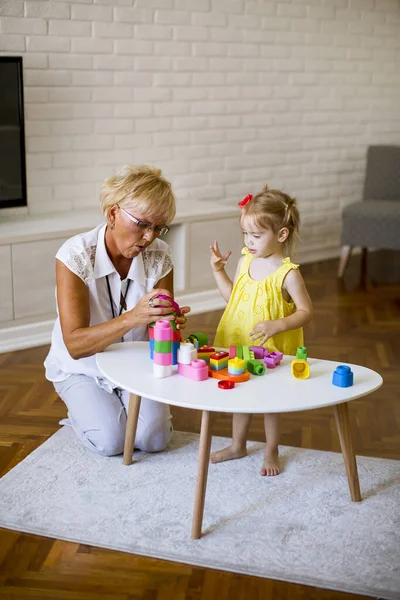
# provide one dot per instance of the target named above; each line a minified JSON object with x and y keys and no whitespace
{"x":33,"y":267}
{"x":27,"y":264}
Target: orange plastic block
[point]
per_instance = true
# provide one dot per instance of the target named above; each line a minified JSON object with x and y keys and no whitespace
{"x":223,"y":375}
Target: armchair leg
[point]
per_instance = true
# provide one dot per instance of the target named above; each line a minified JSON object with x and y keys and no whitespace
{"x":344,"y":259}
{"x":364,"y":268}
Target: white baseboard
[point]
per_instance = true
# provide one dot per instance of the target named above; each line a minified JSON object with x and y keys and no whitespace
{"x":30,"y":335}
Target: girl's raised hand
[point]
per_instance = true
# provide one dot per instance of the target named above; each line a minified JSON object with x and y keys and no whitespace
{"x":218,"y":260}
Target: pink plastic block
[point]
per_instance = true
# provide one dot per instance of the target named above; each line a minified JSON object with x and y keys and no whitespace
{"x":197,"y":370}
{"x":174,"y":304}
{"x":258,"y":352}
{"x":232,"y":351}
{"x":163,"y":330}
{"x":164,"y":359}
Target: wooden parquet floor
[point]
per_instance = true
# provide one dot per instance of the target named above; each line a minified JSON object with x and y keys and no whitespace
{"x":350,"y":325}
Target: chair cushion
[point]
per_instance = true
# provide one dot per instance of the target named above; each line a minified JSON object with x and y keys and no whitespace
{"x":372,"y":224}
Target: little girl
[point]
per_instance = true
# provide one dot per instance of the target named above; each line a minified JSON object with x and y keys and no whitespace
{"x":268,"y":302}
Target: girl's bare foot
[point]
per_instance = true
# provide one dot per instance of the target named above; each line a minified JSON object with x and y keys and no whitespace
{"x":271,"y":464}
{"x":228,"y":453}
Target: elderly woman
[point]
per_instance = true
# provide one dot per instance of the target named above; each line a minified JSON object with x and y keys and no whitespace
{"x":107,"y":281}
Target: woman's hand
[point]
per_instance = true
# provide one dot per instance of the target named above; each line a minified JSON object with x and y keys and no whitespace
{"x":218,"y":260}
{"x":263,"y":331}
{"x":146,"y":312}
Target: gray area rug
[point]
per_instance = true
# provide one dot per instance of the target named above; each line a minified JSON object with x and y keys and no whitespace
{"x":300,"y":526}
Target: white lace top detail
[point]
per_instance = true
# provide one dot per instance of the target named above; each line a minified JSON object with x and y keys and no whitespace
{"x":82,"y":264}
{"x":157,"y":263}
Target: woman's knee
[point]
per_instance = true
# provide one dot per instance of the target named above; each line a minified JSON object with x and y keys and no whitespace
{"x":105,"y":443}
{"x":156,"y":436}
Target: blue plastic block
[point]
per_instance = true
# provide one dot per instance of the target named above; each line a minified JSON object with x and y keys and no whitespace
{"x":343,"y":376}
{"x":151,"y":349}
{"x":175,"y":346}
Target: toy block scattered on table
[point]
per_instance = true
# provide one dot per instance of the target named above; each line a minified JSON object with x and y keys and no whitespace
{"x":258,"y":351}
{"x":204,"y":352}
{"x":186,"y":353}
{"x":300,"y":368}
{"x":273,"y":359}
{"x":301,"y":352}
{"x":223,"y":375}
{"x":219,"y":360}
{"x":197,"y":370}
{"x":255,"y":367}
{"x":236,"y":366}
{"x":343,"y":376}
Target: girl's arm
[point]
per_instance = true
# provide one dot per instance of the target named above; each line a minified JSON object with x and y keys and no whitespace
{"x":83,"y":340}
{"x":295,"y":286}
{"x":218,"y":262}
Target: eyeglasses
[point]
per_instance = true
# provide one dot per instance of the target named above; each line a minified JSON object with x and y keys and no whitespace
{"x":159,"y":231}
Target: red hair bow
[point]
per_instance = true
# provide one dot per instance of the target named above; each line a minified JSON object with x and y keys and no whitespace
{"x":245,"y":201}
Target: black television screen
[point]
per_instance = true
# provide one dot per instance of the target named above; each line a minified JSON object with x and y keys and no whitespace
{"x":12,"y":134}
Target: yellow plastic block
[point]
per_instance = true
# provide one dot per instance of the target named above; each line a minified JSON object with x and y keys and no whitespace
{"x":300,"y":369}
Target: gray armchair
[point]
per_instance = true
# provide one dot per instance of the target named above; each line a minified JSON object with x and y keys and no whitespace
{"x":375,"y":221}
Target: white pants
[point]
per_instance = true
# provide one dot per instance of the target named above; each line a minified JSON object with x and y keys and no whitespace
{"x":99,"y":418}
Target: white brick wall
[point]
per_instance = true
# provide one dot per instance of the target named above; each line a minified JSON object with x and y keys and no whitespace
{"x":223,"y":95}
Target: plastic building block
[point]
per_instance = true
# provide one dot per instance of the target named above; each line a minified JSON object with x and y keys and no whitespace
{"x":161,"y":371}
{"x":205,"y":352}
{"x":246,"y":353}
{"x":162,"y":346}
{"x":151,"y":348}
{"x":162,"y":330}
{"x":239,"y":351}
{"x":236,"y":366}
{"x":219,"y":360}
{"x":232,"y":351}
{"x":224,"y":384}
{"x":162,"y":358}
{"x":175,"y":348}
{"x":273,"y":359}
{"x":201,"y":337}
{"x":300,"y":369}
{"x":224,"y":375}
{"x":174,"y":304}
{"x":256,"y":367}
{"x":197,"y":370}
{"x":259,"y":352}
{"x":343,"y":376}
{"x":301,"y":352}
{"x":186,"y":353}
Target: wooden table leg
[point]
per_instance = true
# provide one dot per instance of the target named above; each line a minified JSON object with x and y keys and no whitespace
{"x":341,"y":412}
{"x":202,"y":472}
{"x":131,"y":426}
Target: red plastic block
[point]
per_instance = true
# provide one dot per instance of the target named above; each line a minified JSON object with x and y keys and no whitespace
{"x":226,"y":385}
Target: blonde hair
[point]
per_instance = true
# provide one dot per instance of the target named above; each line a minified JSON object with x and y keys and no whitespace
{"x":274,"y":209}
{"x":141,"y":186}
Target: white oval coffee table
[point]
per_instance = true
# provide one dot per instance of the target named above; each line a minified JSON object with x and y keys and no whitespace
{"x":128,"y":366}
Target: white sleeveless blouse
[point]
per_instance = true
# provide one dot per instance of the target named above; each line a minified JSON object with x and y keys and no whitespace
{"x":86,"y":256}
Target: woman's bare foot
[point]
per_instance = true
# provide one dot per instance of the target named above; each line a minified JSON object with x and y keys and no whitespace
{"x":271,"y":464}
{"x":228,"y":453}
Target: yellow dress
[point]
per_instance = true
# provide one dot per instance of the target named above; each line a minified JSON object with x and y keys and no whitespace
{"x":254,"y":301}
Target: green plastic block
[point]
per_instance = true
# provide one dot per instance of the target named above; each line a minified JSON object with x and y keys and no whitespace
{"x":163,"y":347}
{"x":301,"y":353}
{"x":256,"y":367}
{"x":239,"y":351}
{"x":202,"y":338}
